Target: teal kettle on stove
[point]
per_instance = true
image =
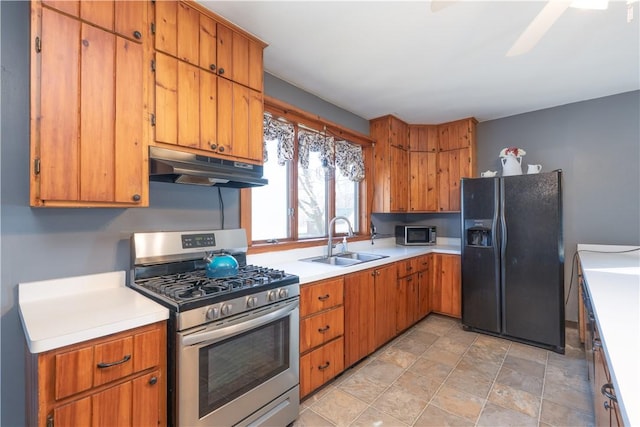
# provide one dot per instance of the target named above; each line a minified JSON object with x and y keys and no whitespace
{"x":221,"y":265}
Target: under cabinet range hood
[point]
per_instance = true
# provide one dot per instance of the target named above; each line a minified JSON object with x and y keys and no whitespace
{"x":187,"y":168}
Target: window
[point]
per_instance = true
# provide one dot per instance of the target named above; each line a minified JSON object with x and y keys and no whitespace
{"x":314,"y":174}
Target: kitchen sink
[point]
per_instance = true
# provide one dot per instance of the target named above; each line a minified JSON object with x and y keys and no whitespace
{"x":345,"y":259}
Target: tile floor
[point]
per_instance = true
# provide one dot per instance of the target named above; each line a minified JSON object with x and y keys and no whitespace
{"x":436,"y":374}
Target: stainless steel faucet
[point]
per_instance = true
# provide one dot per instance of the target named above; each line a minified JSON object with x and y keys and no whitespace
{"x":330,"y":240}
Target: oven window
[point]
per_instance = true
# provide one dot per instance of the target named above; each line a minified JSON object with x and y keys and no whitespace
{"x":230,"y":368}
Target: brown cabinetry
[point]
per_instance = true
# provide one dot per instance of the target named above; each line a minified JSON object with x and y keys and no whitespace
{"x":412,"y":291}
{"x":370,"y":311}
{"x":391,"y":162}
{"x":115,"y":380}
{"x":208,"y":83}
{"x":88,"y":139}
{"x":456,"y":160}
{"x":446,"y":296}
{"x":423,"y":170}
{"x":321,"y":333}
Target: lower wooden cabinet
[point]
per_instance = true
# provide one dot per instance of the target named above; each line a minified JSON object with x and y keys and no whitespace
{"x":605,"y":405}
{"x":446,"y":288}
{"x":115,"y":380}
{"x":321,"y":333}
{"x":359,"y":316}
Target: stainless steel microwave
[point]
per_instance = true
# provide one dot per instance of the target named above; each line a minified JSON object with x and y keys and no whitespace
{"x":415,"y":235}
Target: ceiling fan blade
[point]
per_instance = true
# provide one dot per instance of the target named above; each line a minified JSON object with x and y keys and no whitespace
{"x":538,"y":27}
{"x":438,"y":5}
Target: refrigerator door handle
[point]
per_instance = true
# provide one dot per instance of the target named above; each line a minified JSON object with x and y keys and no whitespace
{"x":503,"y":250}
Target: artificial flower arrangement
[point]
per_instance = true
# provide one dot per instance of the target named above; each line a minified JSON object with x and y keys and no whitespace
{"x":512,"y":151}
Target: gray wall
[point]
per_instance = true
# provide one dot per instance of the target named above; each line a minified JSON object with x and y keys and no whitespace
{"x":595,"y":143}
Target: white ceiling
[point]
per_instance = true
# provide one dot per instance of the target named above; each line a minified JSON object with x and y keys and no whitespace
{"x":378,"y":57}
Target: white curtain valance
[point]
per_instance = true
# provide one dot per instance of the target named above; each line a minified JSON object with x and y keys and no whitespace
{"x":282,"y":132}
{"x":309,"y":141}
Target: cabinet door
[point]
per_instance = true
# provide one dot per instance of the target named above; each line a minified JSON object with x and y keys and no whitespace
{"x":208,"y":44}
{"x":423,"y":138}
{"x":399,"y":163}
{"x":146,"y":400}
{"x":188,"y":105}
{"x":208,"y":110}
{"x":446,"y":289}
{"x":403,"y":310}
{"x":385,"y":304}
{"x":188,"y":36}
{"x":423,"y":189}
{"x":359,"y":316}
{"x":88,"y":97}
{"x":240,"y":59}
{"x":76,"y":413}
{"x":399,"y":133}
{"x":73,"y":372}
{"x":225,"y":51}
{"x":424,"y":286}
{"x":321,"y":365}
{"x":166,"y":38}
{"x":256,"y":75}
{"x":131,"y":19}
{"x":112,"y":406}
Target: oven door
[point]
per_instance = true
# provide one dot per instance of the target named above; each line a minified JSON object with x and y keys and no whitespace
{"x":242,"y":370}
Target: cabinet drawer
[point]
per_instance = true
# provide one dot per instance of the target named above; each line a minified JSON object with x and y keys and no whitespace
{"x":422,"y":262}
{"x":321,"y":365}
{"x":113,"y":360}
{"x":407,"y":267}
{"x":320,"y":328}
{"x":321,"y":296}
{"x":73,"y":372}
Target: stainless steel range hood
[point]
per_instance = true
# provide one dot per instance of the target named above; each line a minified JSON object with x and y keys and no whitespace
{"x":186,"y":168}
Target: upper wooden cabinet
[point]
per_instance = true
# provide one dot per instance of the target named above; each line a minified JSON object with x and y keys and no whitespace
{"x":208,"y":83}
{"x":88,"y":133}
{"x":418,"y":167}
{"x":391,"y":164}
{"x":186,"y":31}
{"x":125,"y":18}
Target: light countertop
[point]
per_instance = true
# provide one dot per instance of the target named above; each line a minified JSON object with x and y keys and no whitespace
{"x":61,"y":312}
{"x":290,"y":261}
{"x":613,"y":283}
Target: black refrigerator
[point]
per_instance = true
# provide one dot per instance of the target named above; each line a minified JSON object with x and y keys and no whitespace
{"x":513,"y":258}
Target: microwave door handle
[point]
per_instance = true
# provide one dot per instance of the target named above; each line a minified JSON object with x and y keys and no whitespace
{"x":211,"y":336}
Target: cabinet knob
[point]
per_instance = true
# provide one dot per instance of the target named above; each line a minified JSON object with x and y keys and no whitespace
{"x":220,"y":71}
{"x":153,"y":380}
{"x":221,"y":149}
{"x":212,"y":67}
{"x":214,"y":146}
{"x":137,"y":35}
{"x":136,"y":198}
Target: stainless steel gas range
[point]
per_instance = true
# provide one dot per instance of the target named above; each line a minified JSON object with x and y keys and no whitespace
{"x":233,"y":342}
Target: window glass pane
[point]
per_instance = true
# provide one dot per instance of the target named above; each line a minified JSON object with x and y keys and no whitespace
{"x":312,"y":199}
{"x":270,"y":203}
{"x":346,"y":202}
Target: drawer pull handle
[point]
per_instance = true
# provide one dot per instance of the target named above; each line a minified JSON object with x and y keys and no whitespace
{"x":607,"y":390}
{"x":103,"y":365}
{"x":323,"y":367}
{"x":323,"y":297}
{"x":323,"y":330}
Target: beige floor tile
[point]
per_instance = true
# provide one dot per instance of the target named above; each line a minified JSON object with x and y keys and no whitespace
{"x":441,"y":356}
{"x":308,"y":418}
{"x":381,"y":372}
{"x":416,"y":342}
{"x":520,"y":381}
{"x":339,"y":407}
{"x":470,"y":380}
{"x":362,"y":387}
{"x":430,"y":369}
{"x":555,"y":414}
{"x":420,"y":386}
{"x":494,"y":415}
{"x":518,"y":400}
{"x":487,"y":351}
{"x":436,"y":417}
{"x":398,"y":357}
{"x":470,"y":362}
{"x":317,"y":395}
{"x":524,"y":366}
{"x":401,"y":404}
{"x":494,"y":343}
{"x":459,"y":334}
{"x":579,"y":400}
{"x":458,"y":402}
{"x":528,"y":352}
{"x":447,"y":343}
{"x":438,"y":325}
{"x":374,"y":418}
{"x":556,"y":375}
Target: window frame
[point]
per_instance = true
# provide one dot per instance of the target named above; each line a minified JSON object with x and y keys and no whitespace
{"x":316,"y":123}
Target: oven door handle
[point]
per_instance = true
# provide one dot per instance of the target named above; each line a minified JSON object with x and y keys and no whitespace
{"x":210,"y":336}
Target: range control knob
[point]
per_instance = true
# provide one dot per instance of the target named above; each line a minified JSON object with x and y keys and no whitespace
{"x":252,"y":302}
{"x":283,"y":293}
{"x":271,"y":296}
{"x":225,"y":310}
{"x":212,"y":313}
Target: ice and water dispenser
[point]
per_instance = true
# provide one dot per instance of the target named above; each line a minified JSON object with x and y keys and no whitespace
{"x":477,"y":232}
